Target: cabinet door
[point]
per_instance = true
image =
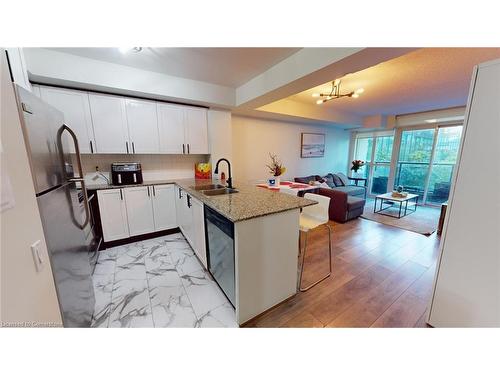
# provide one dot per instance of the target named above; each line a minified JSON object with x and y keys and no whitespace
{"x":199,"y":231}
{"x":142,"y":126}
{"x":110,"y":124}
{"x":139,"y":210}
{"x":113,"y":214}
{"x":171,"y":128}
{"x":196,"y":130}
{"x":164,"y":209}
{"x":75,"y":106}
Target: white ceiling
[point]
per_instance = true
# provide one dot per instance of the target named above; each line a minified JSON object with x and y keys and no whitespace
{"x":223,"y":66}
{"x":426,"y":79}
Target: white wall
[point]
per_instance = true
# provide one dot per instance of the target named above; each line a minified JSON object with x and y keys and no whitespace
{"x":220,"y":138}
{"x":154,"y":167}
{"x":254,"y":139}
{"x":26,"y":295}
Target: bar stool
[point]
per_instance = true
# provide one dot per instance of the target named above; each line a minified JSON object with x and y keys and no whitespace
{"x":312,"y":217}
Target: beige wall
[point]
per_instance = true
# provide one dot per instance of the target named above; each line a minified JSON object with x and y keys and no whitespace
{"x":26,"y":295}
{"x":253,"y":139}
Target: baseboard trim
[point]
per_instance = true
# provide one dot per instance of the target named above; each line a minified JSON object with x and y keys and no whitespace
{"x":142,"y":237}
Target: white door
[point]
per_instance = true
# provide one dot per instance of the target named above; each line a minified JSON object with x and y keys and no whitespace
{"x":139,"y":210}
{"x":196,"y":131}
{"x":142,"y":126}
{"x":171,"y":128}
{"x":76,"y":109}
{"x":110,"y":124}
{"x":164,"y":209}
{"x":199,"y":231}
{"x":113,"y":214}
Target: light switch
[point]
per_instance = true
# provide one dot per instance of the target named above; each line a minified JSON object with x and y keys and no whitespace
{"x":37,"y":255}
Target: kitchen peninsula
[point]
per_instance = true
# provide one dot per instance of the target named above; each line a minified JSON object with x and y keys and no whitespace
{"x":251,"y":235}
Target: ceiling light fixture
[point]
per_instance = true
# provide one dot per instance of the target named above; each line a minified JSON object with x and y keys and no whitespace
{"x":129,"y":49}
{"x":335,"y":93}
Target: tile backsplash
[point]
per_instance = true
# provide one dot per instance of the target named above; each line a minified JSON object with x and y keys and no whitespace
{"x":154,"y":167}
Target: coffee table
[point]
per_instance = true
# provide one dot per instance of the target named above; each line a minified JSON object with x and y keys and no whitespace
{"x":403,"y":204}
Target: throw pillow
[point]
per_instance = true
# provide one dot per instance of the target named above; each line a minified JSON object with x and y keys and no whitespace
{"x":329,"y":180}
{"x":337,"y":180}
{"x":324,"y":185}
{"x":343,"y":178}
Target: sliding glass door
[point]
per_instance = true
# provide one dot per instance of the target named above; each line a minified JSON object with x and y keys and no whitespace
{"x":426,"y":162}
{"x":443,"y":164}
{"x":375,"y":149}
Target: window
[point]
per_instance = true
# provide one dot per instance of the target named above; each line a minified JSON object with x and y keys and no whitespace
{"x":426,"y":162}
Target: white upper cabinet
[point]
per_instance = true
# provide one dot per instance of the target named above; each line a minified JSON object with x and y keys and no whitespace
{"x":164,"y":207}
{"x":139,"y":210}
{"x":110,"y":124}
{"x":142,"y":123}
{"x":75,"y":107}
{"x":171,"y":128}
{"x":196,"y":130}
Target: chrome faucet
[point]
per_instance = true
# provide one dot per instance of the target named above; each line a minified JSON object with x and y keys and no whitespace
{"x":229,"y":179}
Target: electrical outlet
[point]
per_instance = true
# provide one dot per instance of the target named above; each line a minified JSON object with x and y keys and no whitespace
{"x":37,"y":255}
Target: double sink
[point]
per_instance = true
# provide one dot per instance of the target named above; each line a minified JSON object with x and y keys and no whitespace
{"x":214,"y":189}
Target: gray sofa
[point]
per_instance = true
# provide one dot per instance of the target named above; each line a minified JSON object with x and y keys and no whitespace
{"x":347,"y":202}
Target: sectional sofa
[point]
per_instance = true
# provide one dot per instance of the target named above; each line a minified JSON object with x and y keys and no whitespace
{"x":347,"y":201}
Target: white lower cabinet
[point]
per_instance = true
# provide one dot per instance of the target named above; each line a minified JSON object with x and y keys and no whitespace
{"x":113,"y":214}
{"x":191,"y":221}
{"x":139,"y":210}
{"x":199,"y":231}
{"x":164,"y":207}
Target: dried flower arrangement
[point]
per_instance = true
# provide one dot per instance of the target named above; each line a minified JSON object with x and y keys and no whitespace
{"x":275,"y":168}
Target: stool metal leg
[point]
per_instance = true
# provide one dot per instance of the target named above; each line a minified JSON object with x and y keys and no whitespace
{"x":329,"y":259}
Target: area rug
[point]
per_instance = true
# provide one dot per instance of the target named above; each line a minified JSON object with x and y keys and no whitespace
{"x":423,"y":221}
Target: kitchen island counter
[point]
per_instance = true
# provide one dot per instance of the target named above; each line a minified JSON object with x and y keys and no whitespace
{"x":248,"y":203}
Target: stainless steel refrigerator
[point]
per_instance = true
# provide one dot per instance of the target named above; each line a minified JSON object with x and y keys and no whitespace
{"x":63,"y":205}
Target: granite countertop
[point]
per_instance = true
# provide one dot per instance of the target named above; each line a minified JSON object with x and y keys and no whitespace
{"x":250,"y":201}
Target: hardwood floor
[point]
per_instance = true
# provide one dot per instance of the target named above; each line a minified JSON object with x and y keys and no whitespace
{"x":382,"y":277}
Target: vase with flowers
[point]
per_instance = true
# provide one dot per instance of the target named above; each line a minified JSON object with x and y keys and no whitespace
{"x":276,"y":169}
{"x":356,"y":165}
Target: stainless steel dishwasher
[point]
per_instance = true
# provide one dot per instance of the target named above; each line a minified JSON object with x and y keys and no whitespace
{"x":220,"y":251}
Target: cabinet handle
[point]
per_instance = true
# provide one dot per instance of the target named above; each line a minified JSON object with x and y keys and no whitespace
{"x":133,"y":148}
{"x":91,"y":148}
{"x":126,"y":144}
{"x":148,"y":191}
{"x":189,"y":201}
{"x":180,"y":193}
{"x":121,"y":195}
{"x":188,"y":149}
{"x":183,"y":148}
{"x":154,"y":191}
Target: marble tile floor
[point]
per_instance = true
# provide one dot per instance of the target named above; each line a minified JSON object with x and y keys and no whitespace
{"x":157,"y":283}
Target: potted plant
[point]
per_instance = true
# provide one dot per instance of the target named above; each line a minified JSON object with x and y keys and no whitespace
{"x":356,"y":165}
{"x":276,"y":169}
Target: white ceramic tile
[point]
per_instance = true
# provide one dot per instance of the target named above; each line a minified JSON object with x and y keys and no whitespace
{"x":203,"y":292}
{"x":130,"y":305}
{"x":171,"y":307}
{"x":222,"y":316}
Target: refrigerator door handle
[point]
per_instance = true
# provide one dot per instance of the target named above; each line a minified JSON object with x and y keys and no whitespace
{"x":80,"y":170}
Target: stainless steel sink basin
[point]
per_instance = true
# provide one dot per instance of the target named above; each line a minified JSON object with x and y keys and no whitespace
{"x":207,"y":187}
{"x":222,"y":191}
